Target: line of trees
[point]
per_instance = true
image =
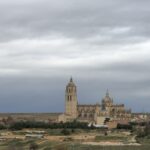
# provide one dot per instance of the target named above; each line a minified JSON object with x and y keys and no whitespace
{"x":124,"y":126}
{"x":144,"y":123}
{"x":33,"y":124}
{"x":132,"y":125}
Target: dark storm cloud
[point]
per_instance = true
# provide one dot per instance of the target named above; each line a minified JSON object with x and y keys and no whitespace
{"x":101,"y":43}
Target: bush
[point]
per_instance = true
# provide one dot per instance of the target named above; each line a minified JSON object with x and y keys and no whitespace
{"x":33,"y":124}
{"x":72,"y":130}
{"x":144,"y":132}
{"x":2,"y":127}
{"x":147,"y":129}
{"x":33,"y":146}
{"x":65,"y":132}
{"x":140,"y":133}
{"x":124,"y":126}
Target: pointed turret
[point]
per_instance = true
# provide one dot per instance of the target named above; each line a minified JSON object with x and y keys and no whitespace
{"x":107,"y":93}
{"x":71,"y":80}
{"x":71,"y":83}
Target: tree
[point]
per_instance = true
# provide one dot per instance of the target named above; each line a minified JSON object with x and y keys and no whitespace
{"x":65,"y":132}
{"x":33,"y":146}
{"x":147,"y":130}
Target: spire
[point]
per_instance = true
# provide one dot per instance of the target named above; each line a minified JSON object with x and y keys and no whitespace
{"x":107,"y":93}
{"x":71,"y":80}
{"x":71,"y":83}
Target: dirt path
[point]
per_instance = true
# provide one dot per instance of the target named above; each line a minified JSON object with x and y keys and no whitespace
{"x":108,"y":143}
{"x":73,"y":137}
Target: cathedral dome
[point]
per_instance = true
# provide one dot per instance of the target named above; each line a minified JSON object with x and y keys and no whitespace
{"x":107,"y":98}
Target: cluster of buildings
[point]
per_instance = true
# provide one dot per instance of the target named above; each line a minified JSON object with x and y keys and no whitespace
{"x":97,"y":114}
{"x":94,"y":113}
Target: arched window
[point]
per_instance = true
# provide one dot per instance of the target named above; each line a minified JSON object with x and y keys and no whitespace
{"x":91,"y":115}
{"x":85,"y":115}
{"x":113,"y":110}
{"x":79,"y":115}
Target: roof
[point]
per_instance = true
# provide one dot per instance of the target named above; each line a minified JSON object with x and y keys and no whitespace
{"x":107,"y":98}
{"x":90,"y":105}
{"x":71,"y":83}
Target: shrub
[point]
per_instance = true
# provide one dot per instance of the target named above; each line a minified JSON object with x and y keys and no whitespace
{"x":147,"y":129}
{"x":2,"y":127}
{"x":33,"y":146}
{"x":65,"y":132}
{"x":34,"y":124}
{"x":124,"y":126}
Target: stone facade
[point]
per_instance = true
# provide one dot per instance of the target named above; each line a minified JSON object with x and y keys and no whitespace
{"x":114,"y":110}
{"x":71,"y":99}
{"x":92,"y":113}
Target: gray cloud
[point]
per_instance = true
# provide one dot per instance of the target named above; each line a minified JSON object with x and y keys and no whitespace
{"x":72,"y":18}
{"x":101,"y":43}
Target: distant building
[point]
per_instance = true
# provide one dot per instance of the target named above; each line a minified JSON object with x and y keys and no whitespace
{"x":95,"y":113}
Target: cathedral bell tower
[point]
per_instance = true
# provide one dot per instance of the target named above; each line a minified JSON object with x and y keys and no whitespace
{"x":71,"y":99}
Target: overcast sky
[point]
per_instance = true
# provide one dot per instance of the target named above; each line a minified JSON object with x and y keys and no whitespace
{"x":101,"y":43}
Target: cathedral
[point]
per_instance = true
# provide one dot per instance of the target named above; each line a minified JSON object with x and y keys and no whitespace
{"x":91,"y":113}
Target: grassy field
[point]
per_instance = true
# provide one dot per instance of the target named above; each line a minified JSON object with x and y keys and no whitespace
{"x":111,"y":138}
{"x":47,"y":145}
{"x":71,"y":143}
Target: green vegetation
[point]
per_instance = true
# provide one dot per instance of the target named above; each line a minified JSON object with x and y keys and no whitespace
{"x":110,"y":138}
{"x":124,"y":126}
{"x":2,"y":127}
{"x":143,"y":135}
{"x":46,"y":145}
{"x":33,"y":124}
{"x":33,"y":146}
{"x":89,"y":147}
{"x":75,"y":128}
{"x":143,"y":132}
